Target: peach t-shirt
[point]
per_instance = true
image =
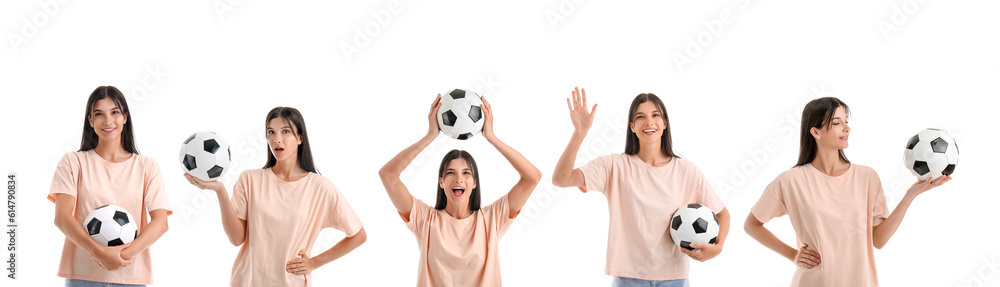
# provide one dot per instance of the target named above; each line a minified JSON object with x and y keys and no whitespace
{"x":459,"y":252}
{"x":282,"y":219}
{"x":834,"y":215}
{"x":641,"y":200}
{"x":134,"y":184}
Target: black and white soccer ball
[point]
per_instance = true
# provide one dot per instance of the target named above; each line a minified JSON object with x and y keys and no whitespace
{"x":110,"y":226}
{"x":461,"y":114}
{"x":205,"y":155}
{"x":694,"y":223}
{"x":930,"y":154}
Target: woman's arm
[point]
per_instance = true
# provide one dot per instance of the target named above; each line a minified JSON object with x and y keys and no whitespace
{"x":157,"y":227}
{"x":236,"y":228}
{"x":390,"y":172}
{"x":109,"y":258}
{"x":882,"y":232}
{"x":530,"y":175}
{"x":709,"y":251}
{"x":305,"y":265}
{"x":804,"y":257}
{"x":565,"y":175}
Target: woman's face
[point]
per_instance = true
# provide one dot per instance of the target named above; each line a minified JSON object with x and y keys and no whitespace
{"x":648,"y":123}
{"x":282,"y":138}
{"x":457,"y":182}
{"x":107,"y":119}
{"x":834,"y":135}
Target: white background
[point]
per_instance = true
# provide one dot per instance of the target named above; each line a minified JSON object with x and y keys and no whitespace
{"x":734,"y":107}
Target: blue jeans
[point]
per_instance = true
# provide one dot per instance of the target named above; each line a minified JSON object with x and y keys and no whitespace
{"x":632,"y":282}
{"x":85,"y":283}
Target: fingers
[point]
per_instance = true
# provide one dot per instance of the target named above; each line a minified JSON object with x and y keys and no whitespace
{"x":583,"y":94}
{"x":569,"y":105}
{"x":694,"y":255}
{"x":592,"y":111}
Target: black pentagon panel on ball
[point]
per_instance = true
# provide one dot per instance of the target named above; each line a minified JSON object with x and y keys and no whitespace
{"x":694,"y":205}
{"x":913,"y":142}
{"x":700,"y":226}
{"x":475,"y":113}
{"x":686,"y":245}
{"x":211,"y":146}
{"x":939,"y":145}
{"x":93,"y":227}
{"x":465,"y":136}
{"x":675,"y":223}
{"x":921,"y":167}
{"x":215,"y":171}
{"x":714,"y":239}
{"x":189,"y":139}
{"x":120,"y":217}
{"x":457,"y":94}
{"x":229,"y":153}
{"x":715,"y":218}
{"x":189,"y":162}
{"x":116,"y":242}
{"x":948,"y":170}
{"x":448,"y":118}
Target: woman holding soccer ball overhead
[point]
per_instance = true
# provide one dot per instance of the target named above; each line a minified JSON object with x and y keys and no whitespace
{"x":837,"y":208}
{"x":457,"y":238}
{"x":644,"y":186}
{"x":108,"y":170}
{"x":277,"y":212}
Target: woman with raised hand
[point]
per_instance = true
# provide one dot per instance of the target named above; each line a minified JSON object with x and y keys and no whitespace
{"x":458,"y":238}
{"x":108,"y":170}
{"x":837,"y":208}
{"x":644,"y":186}
{"x":277,"y":212}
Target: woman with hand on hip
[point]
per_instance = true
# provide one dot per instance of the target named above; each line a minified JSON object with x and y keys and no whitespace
{"x":837,"y":208}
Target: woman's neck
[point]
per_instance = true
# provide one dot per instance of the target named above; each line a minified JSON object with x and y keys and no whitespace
{"x":652,"y":154}
{"x":288,"y":170}
{"x":112,"y":151}
{"x":828,"y":162}
{"x":458,"y":211}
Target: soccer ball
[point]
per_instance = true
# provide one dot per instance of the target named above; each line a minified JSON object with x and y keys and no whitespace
{"x":111,"y":225}
{"x":930,"y":154}
{"x":205,"y":155}
{"x":461,"y":114}
{"x":694,"y":223}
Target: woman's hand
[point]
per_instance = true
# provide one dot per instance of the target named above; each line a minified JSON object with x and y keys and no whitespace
{"x":920,"y":187}
{"x":433,"y":129}
{"x":807,"y":257}
{"x":708,"y":251}
{"x":303,"y":265}
{"x":110,"y":258}
{"x":488,"y":120}
{"x":214,"y":185}
{"x":582,"y":120}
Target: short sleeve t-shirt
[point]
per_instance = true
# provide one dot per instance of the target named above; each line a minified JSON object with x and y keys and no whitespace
{"x":641,"y":200}
{"x":834,"y":215}
{"x":459,"y":252}
{"x":283,"y":218}
{"x":134,"y":184}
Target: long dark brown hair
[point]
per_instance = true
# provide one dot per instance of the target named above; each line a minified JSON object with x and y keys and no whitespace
{"x":474,"y":197}
{"x":632,"y":140}
{"x":293,"y":118}
{"x":818,"y":113}
{"x":89,"y":139}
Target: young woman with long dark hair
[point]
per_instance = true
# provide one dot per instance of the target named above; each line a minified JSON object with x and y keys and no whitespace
{"x":277,"y":212}
{"x":458,"y":239}
{"x":837,"y":207}
{"x":644,"y":186}
{"x":108,"y":170}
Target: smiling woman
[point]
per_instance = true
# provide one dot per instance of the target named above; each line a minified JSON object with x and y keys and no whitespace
{"x":108,"y":170}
